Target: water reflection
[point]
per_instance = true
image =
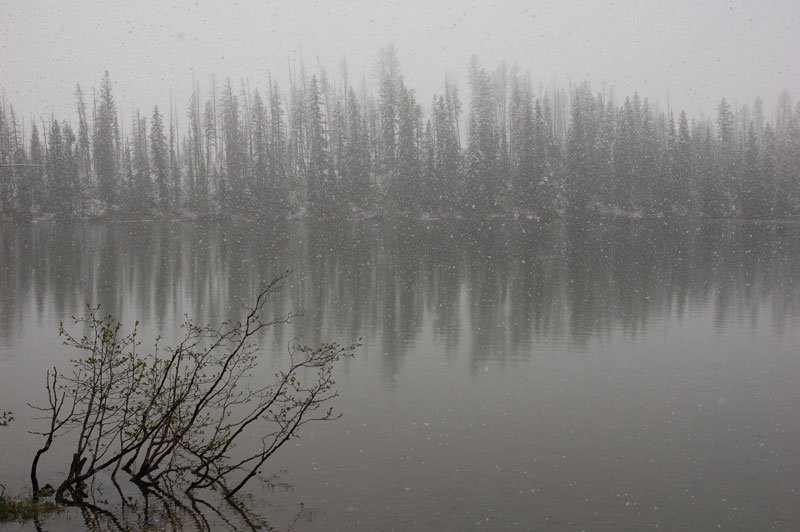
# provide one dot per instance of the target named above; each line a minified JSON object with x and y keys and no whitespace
{"x":150,"y":507}
{"x":496,"y":286}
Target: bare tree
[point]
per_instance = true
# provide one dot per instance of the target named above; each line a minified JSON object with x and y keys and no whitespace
{"x":175,"y":416}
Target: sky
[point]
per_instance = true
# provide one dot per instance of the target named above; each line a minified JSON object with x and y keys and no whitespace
{"x":687,"y":54}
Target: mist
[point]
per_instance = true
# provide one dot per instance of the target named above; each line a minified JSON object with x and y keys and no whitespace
{"x":688,"y":53}
{"x":400,"y":265}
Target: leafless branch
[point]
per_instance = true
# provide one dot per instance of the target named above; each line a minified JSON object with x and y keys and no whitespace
{"x":174,"y":416}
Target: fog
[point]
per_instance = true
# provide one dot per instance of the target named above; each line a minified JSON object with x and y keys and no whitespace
{"x":534,"y":265}
{"x":687,"y":54}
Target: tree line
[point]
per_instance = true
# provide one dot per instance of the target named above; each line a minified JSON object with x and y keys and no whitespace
{"x":328,"y":146}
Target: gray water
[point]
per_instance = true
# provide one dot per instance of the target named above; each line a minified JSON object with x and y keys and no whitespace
{"x":513,"y":375}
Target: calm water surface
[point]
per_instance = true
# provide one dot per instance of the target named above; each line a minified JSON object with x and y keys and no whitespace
{"x":514,"y":375}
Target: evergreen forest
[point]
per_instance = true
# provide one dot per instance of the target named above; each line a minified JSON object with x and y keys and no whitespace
{"x":327,"y":145}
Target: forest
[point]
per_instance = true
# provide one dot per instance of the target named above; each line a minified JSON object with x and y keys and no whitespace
{"x":331,"y":146}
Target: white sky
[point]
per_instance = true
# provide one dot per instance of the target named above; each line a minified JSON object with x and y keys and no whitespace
{"x":697,"y":51}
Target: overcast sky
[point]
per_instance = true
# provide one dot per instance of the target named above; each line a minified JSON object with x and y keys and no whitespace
{"x":695,"y":51}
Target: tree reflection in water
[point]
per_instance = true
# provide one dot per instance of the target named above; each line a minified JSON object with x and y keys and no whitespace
{"x":148,"y":507}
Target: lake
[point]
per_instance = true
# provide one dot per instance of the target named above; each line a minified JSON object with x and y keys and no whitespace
{"x":514,"y":375}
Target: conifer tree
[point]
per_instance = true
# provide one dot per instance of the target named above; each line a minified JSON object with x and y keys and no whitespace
{"x":140,"y":193}
{"x":579,"y":151}
{"x":683,"y":170}
{"x":389,"y":80}
{"x":356,"y":155}
{"x":160,"y":157}
{"x":84,"y":150}
{"x":752,"y":192}
{"x":317,"y":170}
{"x":482,"y":185}
{"x":106,"y":146}
{"x":277,"y":152}
{"x":56,"y":187}
{"x":36,"y":175}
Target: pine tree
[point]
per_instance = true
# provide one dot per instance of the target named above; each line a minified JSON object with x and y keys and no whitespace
{"x":140,"y":199}
{"x":753,"y":196}
{"x":404,"y":187}
{"x":234,"y":168}
{"x":482,"y":185}
{"x":580,"y":144}
{"x":649,"y":198}
{"x":603,"y":153}
{"x":625,"y":153}
{"x":769,"y":167}
{"x":724,"y":181}
{"x":787,"y":174}
{"x":683,"y":170}
{"x":16,"y":181}
{"x":71,"y":181}
{"x":277,"y":152}
{"x":56,"y":187}
{"x":356,"y":155}
{"x":708,"y":175}
{"x":174,"y":172}
{"x":522,"y":146}
{"x":389,"y":81}
{"x":160,"y":157}
{"x":106,"y":146}
{"x":197,"y":174}
{"x":547,"y":157}
{"x":37,"y":173}
{"x":445,"y":187}
{"x":84,"y":150}
{"x":317,"y":171}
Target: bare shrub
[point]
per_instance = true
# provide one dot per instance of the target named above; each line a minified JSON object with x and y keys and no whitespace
{"x":174,"y":416}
